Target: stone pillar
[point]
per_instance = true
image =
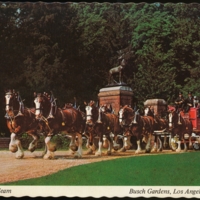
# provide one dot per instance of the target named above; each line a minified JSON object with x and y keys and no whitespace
{"x":116,"y":96}
{"x":158,"y":105}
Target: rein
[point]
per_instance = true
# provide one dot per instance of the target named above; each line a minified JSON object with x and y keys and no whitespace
{"x":61,"y":112}
{"x":14,"y":116}
{"x":45,"y":120}
{"x":12,"y":109}
{"x":11,"y":121}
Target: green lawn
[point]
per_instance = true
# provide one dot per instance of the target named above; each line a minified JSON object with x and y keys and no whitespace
{"x":163,"y":170}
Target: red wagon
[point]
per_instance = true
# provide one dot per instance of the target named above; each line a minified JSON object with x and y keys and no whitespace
{"x":193,"y":115}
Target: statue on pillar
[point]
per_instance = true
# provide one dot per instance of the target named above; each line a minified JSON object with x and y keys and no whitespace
{"x":124,"y":55}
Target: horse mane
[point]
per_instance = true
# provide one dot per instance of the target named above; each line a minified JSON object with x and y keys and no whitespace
{"x":67,"y":105}
{"x":150,"y":112}
{"x":128,"y":108}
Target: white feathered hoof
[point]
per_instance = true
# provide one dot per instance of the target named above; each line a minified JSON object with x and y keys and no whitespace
{"x":122,"y":150}
{"x":73,"y":147}
{"x":178,"y":150}
{"x":19,"y":155}
{"x":147,"y":150}
{"x":108,"y":153}
{"x":137,"y":151}
{"x":116,"y":147}
{"x":77,"y":155}
{"x":113,"y":150}
{"x":49,"y":156}
{"x":154,"y":150}
{"x":89,"y":152}
{"x":31,"y":148}
{"x":98,"y":153}
{"x":71,"y":152}
{"x":13,"y":148}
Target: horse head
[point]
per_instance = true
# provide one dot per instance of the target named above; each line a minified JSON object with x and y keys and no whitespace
{"x":42,"y":104}
{"x":148,"y":111}
{"x":125,"y":113}
{"x":92,"y":112}
{"x":174,"y":118}
{"x":12,"y":100}
{"x":106,"y":109}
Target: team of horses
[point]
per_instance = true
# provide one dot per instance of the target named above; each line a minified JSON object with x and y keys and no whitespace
{"x":113,"y":131}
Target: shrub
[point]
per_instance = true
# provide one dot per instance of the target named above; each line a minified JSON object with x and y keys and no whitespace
{"x":61,"y":141}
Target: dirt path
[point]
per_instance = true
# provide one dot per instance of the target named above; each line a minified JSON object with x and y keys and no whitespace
{"x":33,"y":165}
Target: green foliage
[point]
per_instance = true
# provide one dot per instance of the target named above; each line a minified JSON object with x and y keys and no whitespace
{"x":27,"y":139}
{"x":60,"y":140}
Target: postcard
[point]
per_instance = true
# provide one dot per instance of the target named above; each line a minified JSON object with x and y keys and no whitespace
{"x":99,"y":99}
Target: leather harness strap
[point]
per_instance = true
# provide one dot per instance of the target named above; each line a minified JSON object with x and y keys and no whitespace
{"x":63,"y":117}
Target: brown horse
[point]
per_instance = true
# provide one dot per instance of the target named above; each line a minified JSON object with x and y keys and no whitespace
{"x":98,"y":124}
{"x":180,"y":129}
{"x":124,"y":124}
{"x":134,"y":124}
{"x":160,"y":125}
{"x":116,"y":135}
{"x":54,"y":120}
{"x":19,"y":120}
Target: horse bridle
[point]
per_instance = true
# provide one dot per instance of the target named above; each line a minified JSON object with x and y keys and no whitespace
{"x":10,"y":96}
{"x":171,"y":125}
{"x":121,"y":111}
{"x":40,"y":117}
{"x":122,"y":117}
{"x":88,"y":121}
{"x":9,"y":107}
{"x":40,"y":107}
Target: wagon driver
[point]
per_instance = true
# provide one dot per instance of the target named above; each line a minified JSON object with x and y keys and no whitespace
{"x":189,"y":102}
{"x":179,"y":102}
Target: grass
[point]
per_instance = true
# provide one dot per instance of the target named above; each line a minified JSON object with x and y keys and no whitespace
{"x":163,"y":170}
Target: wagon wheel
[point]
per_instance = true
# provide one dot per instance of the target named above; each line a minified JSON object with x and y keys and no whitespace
{"x":173,"y":144}
{"x":196,"y":146}
{"x":161,"y":144}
